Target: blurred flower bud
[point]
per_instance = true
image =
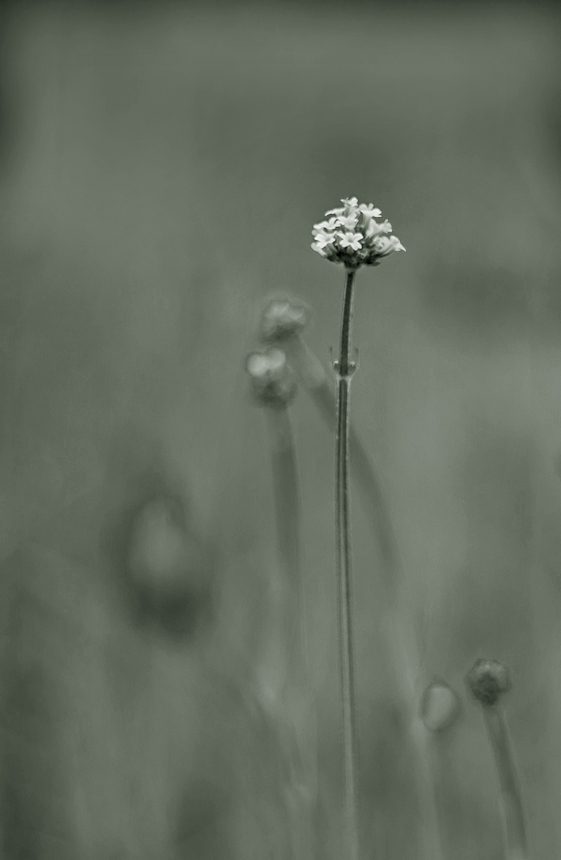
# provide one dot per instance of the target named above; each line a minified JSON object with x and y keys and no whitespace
{"x":354,"y":237}
{"x":168,"y":568}
{"x":159,"y":543}
{"x":440,"y":706}
{"x":283,"y":318}
{"x":487,"y":680}
{"x":271,"y":379}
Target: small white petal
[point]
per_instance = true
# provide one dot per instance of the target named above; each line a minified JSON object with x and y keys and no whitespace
{"x":257,"y":365}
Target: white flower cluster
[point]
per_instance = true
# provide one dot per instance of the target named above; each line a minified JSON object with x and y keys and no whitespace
{"x":353,"y":236}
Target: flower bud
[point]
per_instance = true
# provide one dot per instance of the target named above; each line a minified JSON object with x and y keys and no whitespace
{"x":168,"y":569}
{"x":440,"y":706}
{"x":488,"y":680}
{"x":283,"y":318}
{"x":271,"y":379}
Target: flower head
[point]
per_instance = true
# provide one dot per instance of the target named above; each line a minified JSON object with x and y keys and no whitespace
{"x":487,"y":680}
{"x":283,"y":318}
{"x":353,"y":235}
{"x":271,"y":379}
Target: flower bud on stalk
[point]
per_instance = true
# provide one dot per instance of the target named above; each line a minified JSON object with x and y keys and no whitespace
{"x":488,"y":680}
{"x":283,"y":319}
{"x":285,"y":686}
{"x":272,"y":381}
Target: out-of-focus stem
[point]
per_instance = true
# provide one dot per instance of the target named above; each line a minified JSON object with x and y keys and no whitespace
{"x":344,"y":371}
{"x":516,"y":844}
{"x":287,"y":511}
{"x":298,"y":731}
{"x":430,"y":838}
{"x":287,"y":496}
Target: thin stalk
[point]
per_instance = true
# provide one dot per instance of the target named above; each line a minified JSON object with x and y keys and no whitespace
{"x":344,"y":371}
{"x":297,"y":733}
{"x":516,"y":843}
{"x":287,"y":495}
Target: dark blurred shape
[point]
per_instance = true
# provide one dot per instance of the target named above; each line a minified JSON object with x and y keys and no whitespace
{"x":164,"y":568}
{"x":283,"y":318}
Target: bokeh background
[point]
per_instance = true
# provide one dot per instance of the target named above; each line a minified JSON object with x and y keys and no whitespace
{"x":161,"y":167}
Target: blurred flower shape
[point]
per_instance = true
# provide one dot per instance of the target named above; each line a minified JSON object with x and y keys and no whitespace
{"x":353,"y":236}
{"x":488,"y":680}
{"x":439,"y":706}
{"x":283,"y":318}
{"x":272,"y":382}
{"x":168,"y":567}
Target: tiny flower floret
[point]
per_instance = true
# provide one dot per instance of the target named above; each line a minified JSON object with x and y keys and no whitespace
{"x":353,"y":235}
{"x":347,"y":221}
{"x":323,"y":240}
{"x":370,"y":209}
{"x":332,"y":224}
{"x":351,"y":240}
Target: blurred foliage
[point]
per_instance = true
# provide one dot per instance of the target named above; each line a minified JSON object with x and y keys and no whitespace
{"x":163,"y":173}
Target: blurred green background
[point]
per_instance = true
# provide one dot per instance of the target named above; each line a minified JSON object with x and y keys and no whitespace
{"x":162,"y":166}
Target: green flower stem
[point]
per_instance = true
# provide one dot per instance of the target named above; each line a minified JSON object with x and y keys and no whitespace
{"x":344,"y":370}
{"x":298,"y":731}
{"x":516,"y":844}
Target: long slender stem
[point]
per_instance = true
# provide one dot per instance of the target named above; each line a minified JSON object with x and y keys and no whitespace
{"x":511,"y":798}
{"x":344,"y":576}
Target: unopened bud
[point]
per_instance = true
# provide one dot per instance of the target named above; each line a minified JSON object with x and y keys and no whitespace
{"x":272,"y":381}
{"x":283,"y":318}
{"x":488,"y":680}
